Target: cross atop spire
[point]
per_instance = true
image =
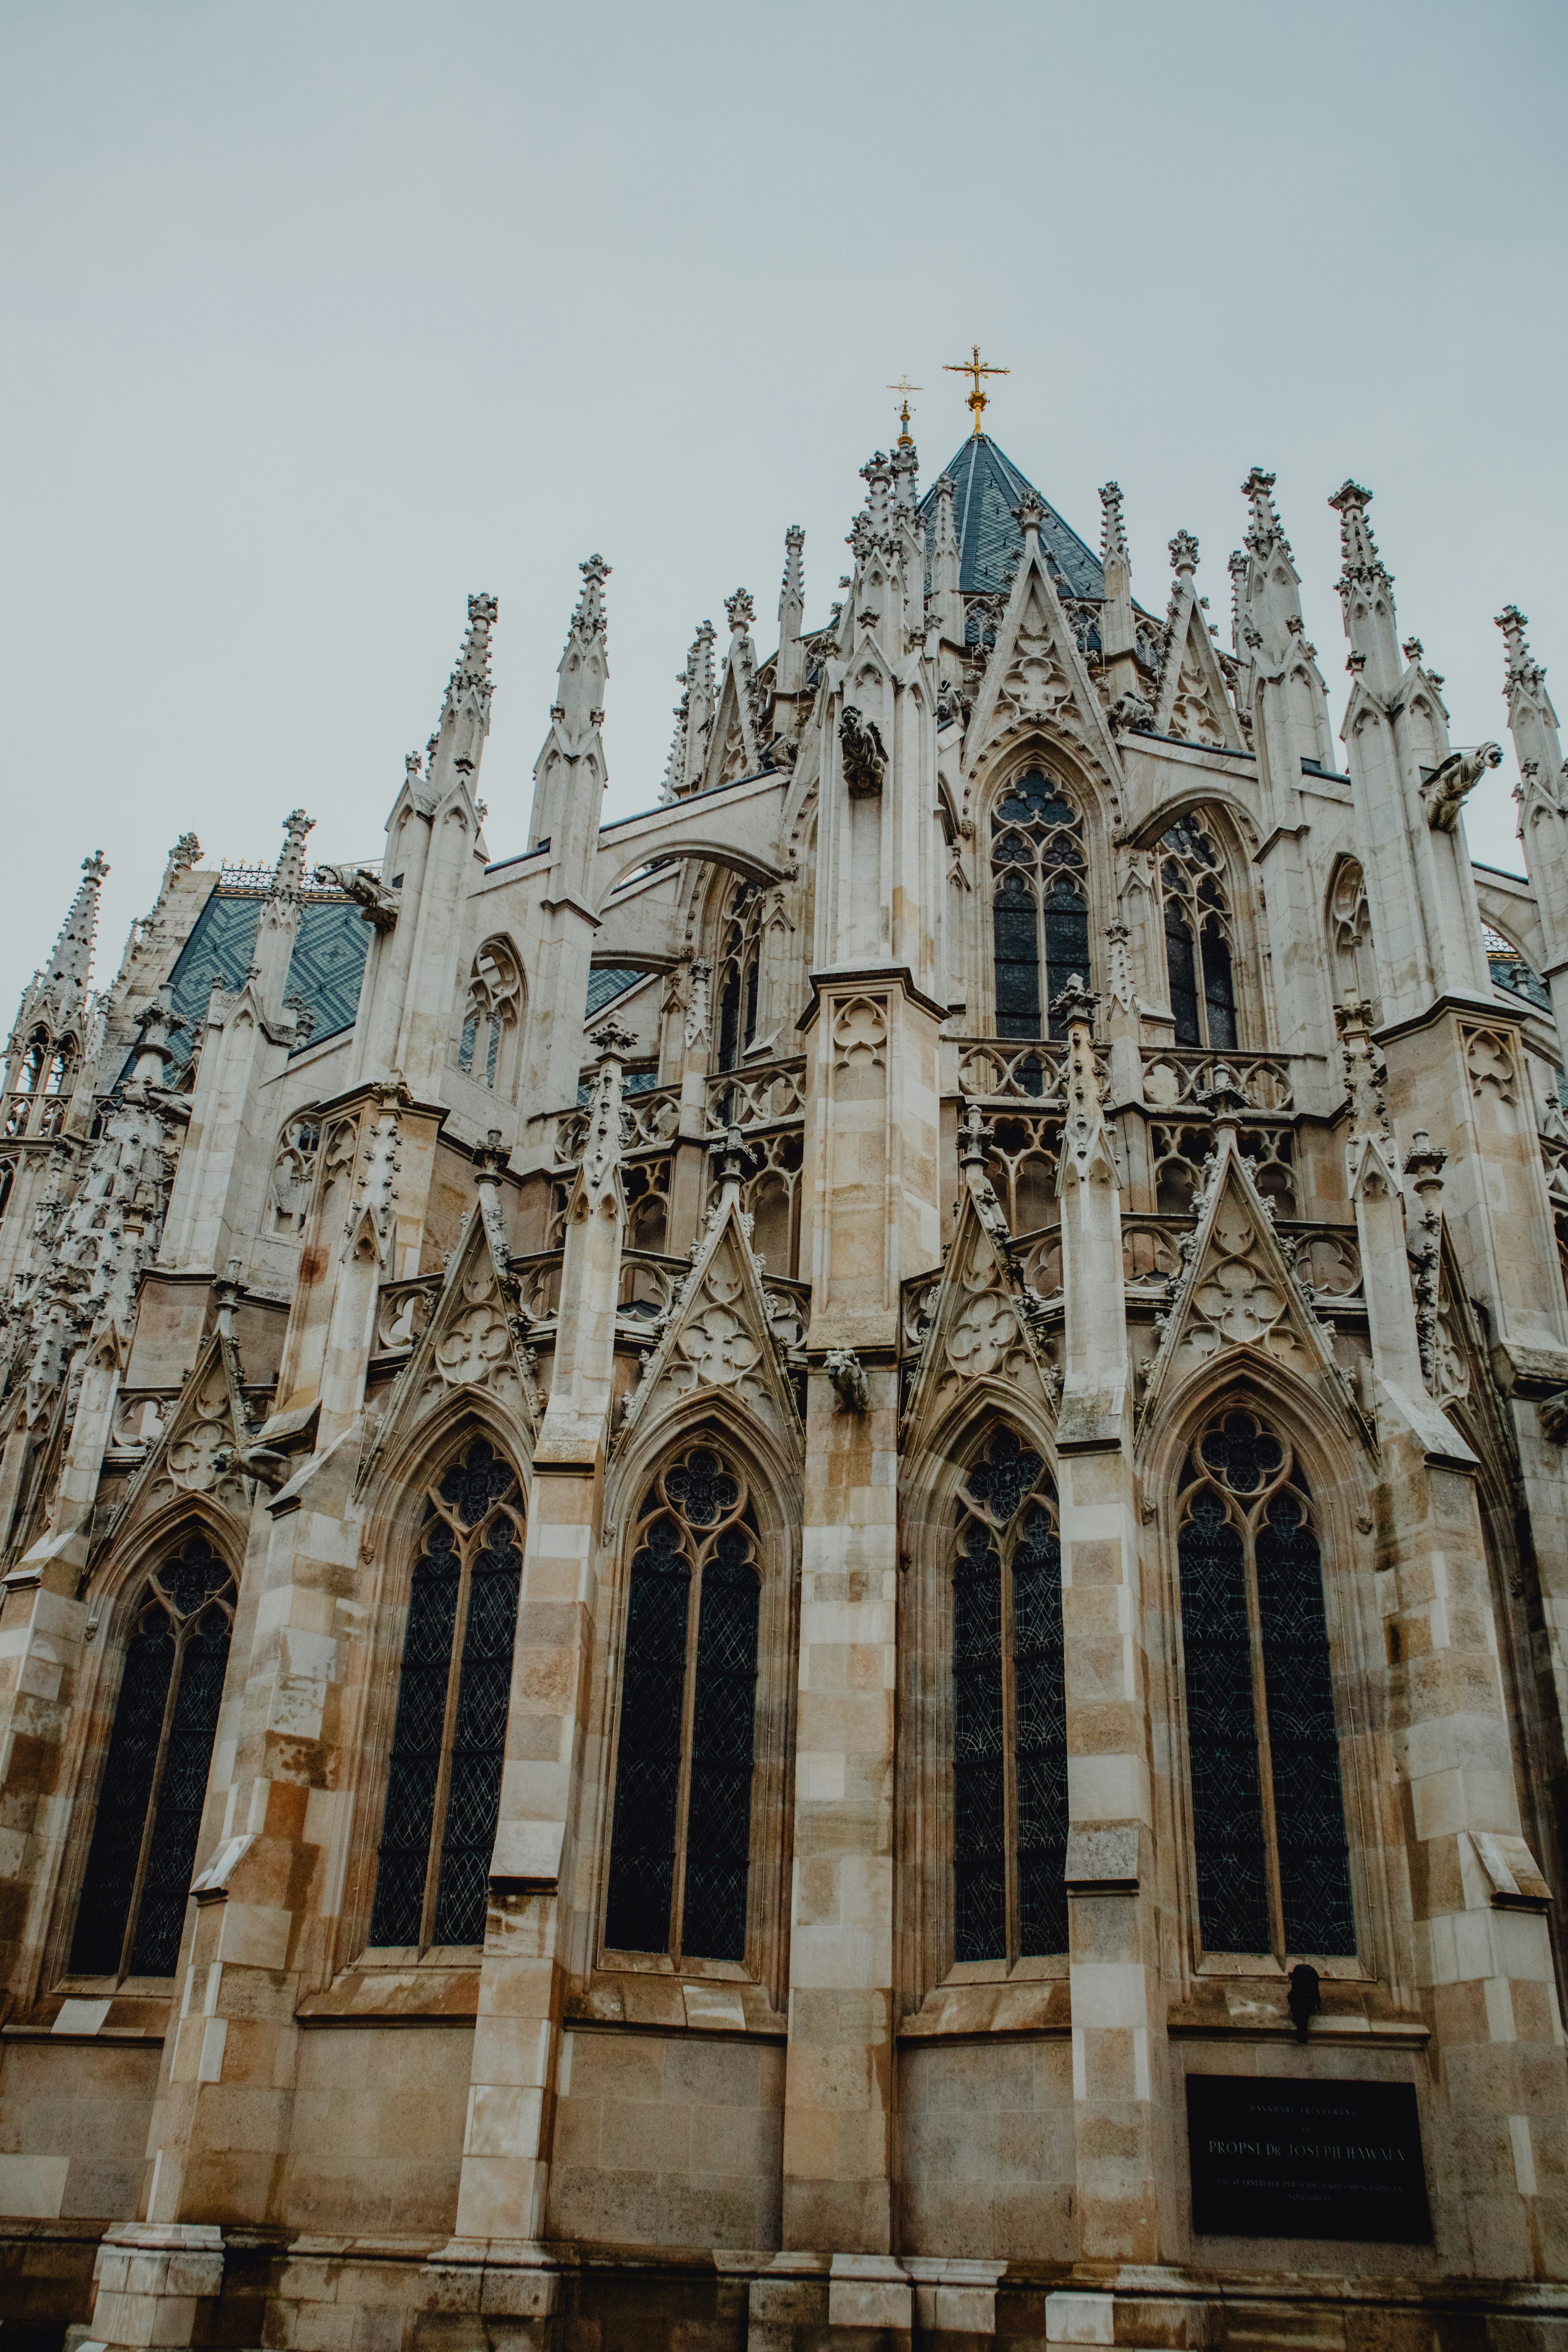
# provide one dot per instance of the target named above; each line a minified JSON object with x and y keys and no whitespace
{"x":975,"y":367}
{"x":906,"y":439}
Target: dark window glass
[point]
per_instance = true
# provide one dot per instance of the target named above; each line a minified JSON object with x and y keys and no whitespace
{"x":448,"y":1740}
{"x":1009,"y":1712}
{"x":1219,"y":1001}
{"x":1017,"y":960}
{"x":1247,"y":1551}
{"x":1066,"y":943}
{"x":751,"y":970}
{"x":679,"y":1863}
{"x":729,"y":1020}
{"x":1184,"y":978}
{"x":144,"y":1848}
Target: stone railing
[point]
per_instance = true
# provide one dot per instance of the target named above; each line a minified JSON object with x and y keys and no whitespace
{"x":651,"y":1121}
{"x":1180,"y":1076}
{"x":991,"y":1072}
{"x":537,"y":1276}
{"x":771,"y":1094}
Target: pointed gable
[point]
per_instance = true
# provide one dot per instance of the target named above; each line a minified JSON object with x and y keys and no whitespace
{"x":987,"y":485}
{"x":716,"y":1336}
{"x":195,"y":1452}
{"x":1238,"y":1290}
{"x":980,"y":1326}
{"x":472,"y":1342}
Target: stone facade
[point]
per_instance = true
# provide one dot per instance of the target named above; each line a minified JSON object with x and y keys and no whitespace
{"x":723,"y":1536}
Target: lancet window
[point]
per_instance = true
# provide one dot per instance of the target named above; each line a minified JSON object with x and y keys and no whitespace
{"x":1198,"y":938}
{"x":1009,"y":1711}
{"x":1273,"y":1871}
{"x":490,"y":1013}
{"x":7,"y":1178}
{"x":144,"y":1848}
{"x":294,"y":1172}
{"x":449,"y":1743}
{"x":26,"y":1084}
{"x":1039,"y":903}
{"x":738,"y":976}
{"x":1350,"y":929}
{"x":680,"y":1842}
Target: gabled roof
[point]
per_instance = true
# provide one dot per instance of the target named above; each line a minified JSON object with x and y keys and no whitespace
{"x":986,"y":488}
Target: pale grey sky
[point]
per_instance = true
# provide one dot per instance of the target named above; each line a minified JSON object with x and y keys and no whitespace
{"x":319,"y":317}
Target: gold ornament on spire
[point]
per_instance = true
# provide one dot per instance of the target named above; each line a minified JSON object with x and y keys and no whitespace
{"x":906,"y":439}
{"x":975,"y":367}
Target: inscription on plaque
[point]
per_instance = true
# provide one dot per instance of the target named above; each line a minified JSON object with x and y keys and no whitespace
{"x":1272,"y":2156}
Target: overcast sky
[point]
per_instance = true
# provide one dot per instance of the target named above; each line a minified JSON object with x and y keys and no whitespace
{"x":318,"y":318}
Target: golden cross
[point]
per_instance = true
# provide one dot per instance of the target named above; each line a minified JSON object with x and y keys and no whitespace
{"x":975,"y":367}
{"x":906,"y":387}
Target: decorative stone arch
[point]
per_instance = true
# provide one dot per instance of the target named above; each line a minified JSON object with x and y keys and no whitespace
{"x":774,"y":1489}
{"x":1340,"y":1479}
{"x":395,"y":1514}
{"x":492,"y":1007}
{"x":1094,"y":796}
{"x":1229,"y":824}
{"x":748,"y":864}
{"x":929,"y":1494}
{"x":120,"y":1585}
{"x":1347,"y":918}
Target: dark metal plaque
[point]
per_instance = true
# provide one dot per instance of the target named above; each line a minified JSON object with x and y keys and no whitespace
{"x":1272,"y":2156}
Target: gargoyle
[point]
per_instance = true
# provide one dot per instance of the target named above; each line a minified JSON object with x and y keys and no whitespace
{"x":376,"y":903}
{"x":251,"y":1461}
{"x":845,"y":1370}
{"x":1131,"y":715}
{"x":1446,"y":788}
{"x":865,"y":757}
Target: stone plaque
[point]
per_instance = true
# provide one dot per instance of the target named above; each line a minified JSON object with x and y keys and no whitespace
{"x":1273,"y":2157}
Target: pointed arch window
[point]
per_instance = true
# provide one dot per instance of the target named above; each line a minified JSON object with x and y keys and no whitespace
{"x":1039,"y":902}
{"x":7,"y":1178}
{"x":1009,"y":1711}
{"x":449,"y":1743}
{"x":139,"y":1864}
{"x":1350,"y":928}
{"x":1268,"y":1833}
{"x":26,"y":1084}
{"x":680,"y":1842}
{"x":740,"y":974}
{"x":490,"y":1012}
{"x":1198,"y":936}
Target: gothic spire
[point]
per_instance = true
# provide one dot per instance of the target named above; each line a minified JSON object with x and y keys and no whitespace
{"x":466,"y":712}
{"x":1264,"y":529}
{"x":944,"y":564}
{"x":693,"y":716}
{"x":1533,"y":722}
{"x":790,"y":670}
{"x":584,"y":665}
{"x":1366,"y":594}
{"x":1117,"y":628}
{"x":70,"y":963}
{"x":1112,"y":534}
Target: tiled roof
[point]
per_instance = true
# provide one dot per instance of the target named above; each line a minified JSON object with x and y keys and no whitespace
{"x":986,"y":488}
{"x":326,"y":968}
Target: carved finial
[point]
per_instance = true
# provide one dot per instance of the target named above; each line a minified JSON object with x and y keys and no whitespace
{"x":1030,"y":514}
{"x":1226,"y":1097}
{"x":729,"y":1152}
{"x":1184,"y":555}
{"x":1264,"y":529}
{"x":1522,"y":668}
{"x":972,"y":1134}
{"x":1112,"y":534}
{"x":1424,"y":1164}
{"x":182,"y":856}
{"x":740,"y":610}
{"x":792,"y":590}
{"x":614,"y":1040}
{"x":590,"y":620}
{"x":1358,"y":549}
{"x":288,"y":875}
{"x":1077,"y":1002}
{"x":490,"y":1159}
{"x":70,"y":963}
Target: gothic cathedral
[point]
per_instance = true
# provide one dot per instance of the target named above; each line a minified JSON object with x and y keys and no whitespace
{"x":794,"y":1574}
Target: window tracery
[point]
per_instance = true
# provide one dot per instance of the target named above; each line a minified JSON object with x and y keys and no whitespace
{"x":740,"y":974}
{"x":680,"y":1840}
{"x":1009,"y":1711}
{"x":490,"y":1012}
{"x":448,"y":1742}
{"x":1198,"y":937}
{"x":1039,"y":903}
{"x":1350,"y":928}
{"x":27,"y":1087}
{"x":1273,"y":1866}
{"x":294,"y":1174}
{"x":133,"y":1907}
{"x":7,"y":1178}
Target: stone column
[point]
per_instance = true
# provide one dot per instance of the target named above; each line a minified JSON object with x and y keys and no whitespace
{"x":873,"y":1210}
{"x":1118,"y":2014}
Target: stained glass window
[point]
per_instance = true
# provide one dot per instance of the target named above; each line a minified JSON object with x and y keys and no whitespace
{"x":737,"y":979}
{"x":1040,"y":910}
{"x":1010,"y":1710}
{"x":448,"y":1741}
{"x":680,"y":1842}
{"x":1197,"y":938}
{"x":144,"y":1849}
{"x":1273,"y":1869}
